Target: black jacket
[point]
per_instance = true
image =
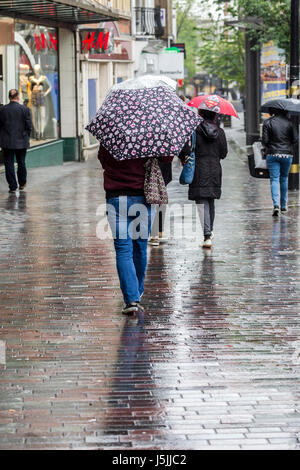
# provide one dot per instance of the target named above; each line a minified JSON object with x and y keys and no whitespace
{"x":279,"y":135}
{"x":15,"y":126}
{"x":211,"y":146}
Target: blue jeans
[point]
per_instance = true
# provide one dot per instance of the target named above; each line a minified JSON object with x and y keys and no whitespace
{"x":130,"y":219}
{"x":279,"y":168}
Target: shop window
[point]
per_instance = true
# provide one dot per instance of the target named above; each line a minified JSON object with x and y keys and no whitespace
{"x":37,"y":77}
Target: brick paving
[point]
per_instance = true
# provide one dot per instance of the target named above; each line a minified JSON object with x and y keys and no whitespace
{"x":210,"y":365}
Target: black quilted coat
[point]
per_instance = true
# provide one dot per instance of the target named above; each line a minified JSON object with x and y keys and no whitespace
{"x":211,"y":147}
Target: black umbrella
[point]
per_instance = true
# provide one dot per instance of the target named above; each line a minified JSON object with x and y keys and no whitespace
{"x":291,"y":105}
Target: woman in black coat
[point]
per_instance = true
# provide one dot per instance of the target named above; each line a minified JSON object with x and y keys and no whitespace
{"x":211,"y":147}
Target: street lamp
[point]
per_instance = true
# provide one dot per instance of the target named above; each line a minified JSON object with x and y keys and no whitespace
{"x":252,"y":76}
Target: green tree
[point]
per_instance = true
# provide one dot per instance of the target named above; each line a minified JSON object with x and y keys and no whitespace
{"x":223,"y":56}
{"x":219,"y":48}
{"x":273,"y":15}
{"x":222,"y":53}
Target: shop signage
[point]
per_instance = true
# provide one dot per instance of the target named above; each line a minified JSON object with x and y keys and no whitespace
{"x":273,"y":72}
{"x":163,"y":17}
{"x":171,"y":64}
{"x":42,"y":43}
{"x":90,"y":40}
{"x":104,"y":43}
{"x":95,"y":41}
{"x":180,"y":46}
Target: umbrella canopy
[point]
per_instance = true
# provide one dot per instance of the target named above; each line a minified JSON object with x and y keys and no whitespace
{"x":144,"y":81}
{"x":291,"y":105}
{"x":148,"y":122}
{"x":214,"y":103}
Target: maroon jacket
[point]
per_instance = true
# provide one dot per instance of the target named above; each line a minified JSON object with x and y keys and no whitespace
{"x":125,"y":177}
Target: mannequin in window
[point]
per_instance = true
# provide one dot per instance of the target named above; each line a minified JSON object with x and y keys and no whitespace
{"x":40,"y":88}
{"x":24,"y":85}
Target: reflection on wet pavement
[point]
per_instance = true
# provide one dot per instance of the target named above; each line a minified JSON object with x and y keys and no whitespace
{"x":212,"y":363}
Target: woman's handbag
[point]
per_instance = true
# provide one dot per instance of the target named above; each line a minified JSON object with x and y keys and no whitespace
{"x":257,"y":172}
{"x":154,"y":186}
{"x":187,"y":174}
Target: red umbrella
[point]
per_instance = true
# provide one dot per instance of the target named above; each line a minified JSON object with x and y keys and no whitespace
{"x":214,"y":103}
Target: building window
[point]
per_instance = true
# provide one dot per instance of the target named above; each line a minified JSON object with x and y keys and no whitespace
{"x":37,"y":76}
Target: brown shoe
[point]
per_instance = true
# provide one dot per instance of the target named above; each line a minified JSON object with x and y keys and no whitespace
{"x":22,"y":187}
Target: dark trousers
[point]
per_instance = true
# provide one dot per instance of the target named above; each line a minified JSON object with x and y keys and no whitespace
{"x":9,"y":158}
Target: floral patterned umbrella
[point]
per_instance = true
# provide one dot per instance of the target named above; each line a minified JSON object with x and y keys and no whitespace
{"x":143,"y":123}
{"x":143,"y":81}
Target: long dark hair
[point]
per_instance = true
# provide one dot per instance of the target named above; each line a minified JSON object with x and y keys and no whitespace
{"x":208,"y":115}
{"x":278,"y":112}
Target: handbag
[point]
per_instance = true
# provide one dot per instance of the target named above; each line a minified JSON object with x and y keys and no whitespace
{"x":187,"y":174}
{"x":259,"y":156}
{"x":257,"y":172}
{"x":154,"y":186}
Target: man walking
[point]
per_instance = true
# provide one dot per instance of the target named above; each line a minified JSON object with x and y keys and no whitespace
{"x":15,"y":129}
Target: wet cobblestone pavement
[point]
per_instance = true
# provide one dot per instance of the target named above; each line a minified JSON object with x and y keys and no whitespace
{"x":212,"y":363}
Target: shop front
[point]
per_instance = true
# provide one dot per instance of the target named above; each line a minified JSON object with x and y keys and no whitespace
{"x":38,"y":56}
{"x":106,"y":59}
{"x":36,"y":74}
{"x":31,"y":64}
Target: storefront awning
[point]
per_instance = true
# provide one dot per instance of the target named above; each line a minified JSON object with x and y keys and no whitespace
{"x":64,"y":13}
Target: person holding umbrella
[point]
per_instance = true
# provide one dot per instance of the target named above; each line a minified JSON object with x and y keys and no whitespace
{"x":137,"y":128}
{"x":278,"y":138}
{"x":126,"y":204}
{"x":210,"y":148}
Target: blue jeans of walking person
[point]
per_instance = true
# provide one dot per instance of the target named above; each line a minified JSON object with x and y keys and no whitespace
{"x":279,"y":168}
{"x":130,"y":219}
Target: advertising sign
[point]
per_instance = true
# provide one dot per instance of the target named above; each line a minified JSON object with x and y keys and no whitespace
{"x":97,"y":41}
{"x":180,"y":46}
{"x":163,"y":17}
{"x":171,"y":64}
{"x":273,"y":73}
{"x":104,"y":43}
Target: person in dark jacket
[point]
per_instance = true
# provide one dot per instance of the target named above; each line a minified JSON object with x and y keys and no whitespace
{"x":211,"y":147}
{"x":278,"y":137}
{"x":130,"y":219}
{"x":15,"y":129}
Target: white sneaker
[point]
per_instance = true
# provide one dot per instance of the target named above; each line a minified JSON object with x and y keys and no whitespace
{"x":130,"y":309}
{"x":207,"y":243}
{"x":154,"y":241}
